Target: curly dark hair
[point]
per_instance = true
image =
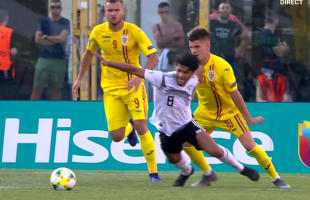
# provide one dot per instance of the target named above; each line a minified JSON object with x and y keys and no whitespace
{"x":188,"y":60}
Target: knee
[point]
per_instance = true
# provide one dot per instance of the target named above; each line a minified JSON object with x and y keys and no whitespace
{"x":117,"y":135}
{"x":141,"y":127}
{"x":175,"y":159}
{"x":117,"y":138}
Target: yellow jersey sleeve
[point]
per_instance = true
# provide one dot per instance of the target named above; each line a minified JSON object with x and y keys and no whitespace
{"x":230,"y":82}
{"x":92,"y":44}
{"x":143,"y":41}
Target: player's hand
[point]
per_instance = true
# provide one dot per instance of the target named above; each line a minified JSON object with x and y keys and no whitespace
{"x":199,"y":74}
{"x":136,"y":81}
{"x":103,"y":61}
{"x":75,"y":88}
{"x":256,"y":120}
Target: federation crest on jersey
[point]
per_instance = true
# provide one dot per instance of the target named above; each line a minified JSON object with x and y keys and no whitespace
{"x":211,"y":76}
{"x":124,"y":39}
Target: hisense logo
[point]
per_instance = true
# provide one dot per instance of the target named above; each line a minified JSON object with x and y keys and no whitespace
{"x":93,"y":152}
{"x":42,"y":139}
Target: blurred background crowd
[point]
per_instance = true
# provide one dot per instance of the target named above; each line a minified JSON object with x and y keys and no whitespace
{"x":266,"y":43}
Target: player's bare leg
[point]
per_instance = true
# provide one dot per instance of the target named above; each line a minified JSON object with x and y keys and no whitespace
{"x":262,"y":158}
{"x":206,"y":142}
{"x":179,"y":161}
{"x":148,"y":148}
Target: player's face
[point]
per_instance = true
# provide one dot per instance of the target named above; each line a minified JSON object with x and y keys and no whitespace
{"x":225,"y":10}
{"x":183,"y":74}
{"x":164,"y":13}
{"x":200,"y":48}
{"x":114,"y":12}
{"x":55,"y":9}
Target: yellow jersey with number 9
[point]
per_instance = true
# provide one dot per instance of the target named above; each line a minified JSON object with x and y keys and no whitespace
{"x":121,"y":46}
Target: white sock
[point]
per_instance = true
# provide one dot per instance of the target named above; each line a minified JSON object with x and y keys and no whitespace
{"x":229,"y":159}
{"x":207,"y":173}
{"x":184,"y":166}
{"x":276,"y":178}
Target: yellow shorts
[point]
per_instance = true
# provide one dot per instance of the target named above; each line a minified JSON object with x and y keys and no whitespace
{"x":236,"y":125}
{"x":120,"y":104}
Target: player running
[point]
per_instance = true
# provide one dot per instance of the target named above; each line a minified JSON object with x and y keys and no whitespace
{"x":172,"y":115}
{"x":220,"y":105}
{"x":122,"y":41}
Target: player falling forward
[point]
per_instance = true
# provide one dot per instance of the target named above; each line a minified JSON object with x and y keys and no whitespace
{"x":220,"y":105}
{"x":172,"y":114}
{"x":122,"y":41}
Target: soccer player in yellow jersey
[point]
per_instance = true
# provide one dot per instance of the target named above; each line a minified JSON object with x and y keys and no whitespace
{"x":124,"y":94}
{"x":220,"y":105}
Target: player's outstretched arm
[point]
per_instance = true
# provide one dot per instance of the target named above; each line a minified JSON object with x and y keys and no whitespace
{"x":239,"y":102}
{"x":122,"y":66}
{"x":152,"y":61}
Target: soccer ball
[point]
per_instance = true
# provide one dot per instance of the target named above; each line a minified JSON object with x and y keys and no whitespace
{"x":63,"y":179}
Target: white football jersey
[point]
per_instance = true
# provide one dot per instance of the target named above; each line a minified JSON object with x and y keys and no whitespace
{"x":172,"y":103}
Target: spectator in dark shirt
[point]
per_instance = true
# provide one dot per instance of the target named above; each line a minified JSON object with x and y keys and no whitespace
{"x":272,"y":49}
{"x":272,"y":84}
{"x":216,"y":14}
{"x":51,"y":67}
{"x":224,"y":32}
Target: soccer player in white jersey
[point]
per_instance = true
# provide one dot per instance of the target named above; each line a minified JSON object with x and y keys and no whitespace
{"x":172,"y":114}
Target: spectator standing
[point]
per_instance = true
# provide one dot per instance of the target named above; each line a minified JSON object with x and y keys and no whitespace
{"x":7,"y":50}
{"x":272,"y":85}
{"x":169,"y":36}
{"x":51,"y":67}
{"x":224,"y":33}
{"x":216,"y":14}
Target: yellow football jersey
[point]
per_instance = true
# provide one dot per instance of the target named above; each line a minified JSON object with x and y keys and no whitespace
{"x":121,"y":46}
{"x":214,"y":98}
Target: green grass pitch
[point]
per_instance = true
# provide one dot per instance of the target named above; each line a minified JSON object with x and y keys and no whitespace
{"x":117,"y":185}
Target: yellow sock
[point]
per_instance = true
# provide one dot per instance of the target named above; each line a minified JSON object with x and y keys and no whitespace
{"x":128,"y":130}
{"x":148,"y":150}
{"x":264,"y":161}
{"x":198,"y":158}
